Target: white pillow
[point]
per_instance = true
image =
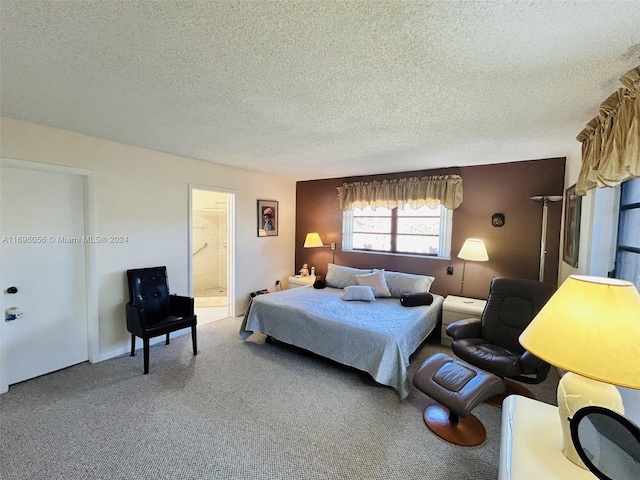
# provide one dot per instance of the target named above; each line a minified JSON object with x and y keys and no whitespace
{"x":401,"y":283}
{"x":362,"y":293}
{"x":339,"y":276}
{"x":377,"y":281}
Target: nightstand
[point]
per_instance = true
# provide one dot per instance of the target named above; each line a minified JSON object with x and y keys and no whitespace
{"x":296,"y":281}
{"x":458,"y":308}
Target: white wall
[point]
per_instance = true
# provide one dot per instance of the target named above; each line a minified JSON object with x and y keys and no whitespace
{"x":144,"y":195}
{"x":598,"y":222}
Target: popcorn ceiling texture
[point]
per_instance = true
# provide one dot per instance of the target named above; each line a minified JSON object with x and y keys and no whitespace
{"x":319,"y":89}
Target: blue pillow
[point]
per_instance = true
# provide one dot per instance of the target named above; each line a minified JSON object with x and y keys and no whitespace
{"x":362,"y":293}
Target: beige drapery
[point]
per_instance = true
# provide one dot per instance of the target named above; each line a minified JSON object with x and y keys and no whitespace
{"x":611,"y":141}
{"x":417,"y":192}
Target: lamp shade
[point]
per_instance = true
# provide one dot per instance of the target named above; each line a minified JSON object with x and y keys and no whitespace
{"x":590,"y":326}
{"x":313,"y":240}
{"x":474,"y":250}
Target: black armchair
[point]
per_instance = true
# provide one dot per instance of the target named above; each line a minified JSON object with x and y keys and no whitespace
{"x":491,"y":342}
{"x":152,"y":312}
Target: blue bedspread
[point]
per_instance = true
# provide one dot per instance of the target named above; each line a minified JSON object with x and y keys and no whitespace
{"x":376,"y":337}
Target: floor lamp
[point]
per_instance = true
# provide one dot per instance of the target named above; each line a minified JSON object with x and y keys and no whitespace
{"x":545,"y":199}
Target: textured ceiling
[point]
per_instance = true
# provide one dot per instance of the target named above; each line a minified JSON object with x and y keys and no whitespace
{"x":319,"y":89}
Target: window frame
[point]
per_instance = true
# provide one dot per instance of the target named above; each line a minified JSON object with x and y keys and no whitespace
{"x":619,"y":247}
{"x":444,"y":235}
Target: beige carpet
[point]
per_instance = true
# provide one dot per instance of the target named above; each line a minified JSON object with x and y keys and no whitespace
{"x":237,"y":410}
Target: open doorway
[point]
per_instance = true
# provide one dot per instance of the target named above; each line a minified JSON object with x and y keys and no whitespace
{"x":211,"y":253}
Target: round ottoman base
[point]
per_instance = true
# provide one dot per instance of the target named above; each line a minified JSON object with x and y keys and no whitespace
{"x":467,"y":431}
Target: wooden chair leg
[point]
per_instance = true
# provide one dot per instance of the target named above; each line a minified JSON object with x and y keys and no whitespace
{"x":167,"y":342}
{"x":146,"y":354}
{"x":194,"y":340}
{"x":133,"y":345}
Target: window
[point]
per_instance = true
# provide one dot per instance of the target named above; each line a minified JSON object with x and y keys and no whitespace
{"x":628,"y":245}
{"x":420,"y":231}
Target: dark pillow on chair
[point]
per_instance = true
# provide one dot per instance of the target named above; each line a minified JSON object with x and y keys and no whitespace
{"x":319,"y":283}
{"x":416,"y":299}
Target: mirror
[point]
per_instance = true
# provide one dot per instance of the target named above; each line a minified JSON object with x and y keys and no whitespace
{"x":607,"y":442}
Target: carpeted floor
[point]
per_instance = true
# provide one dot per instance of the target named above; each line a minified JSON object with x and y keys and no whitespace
{"x":238,"y":410}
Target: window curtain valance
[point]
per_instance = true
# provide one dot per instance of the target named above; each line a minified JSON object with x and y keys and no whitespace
{"x":611,"y":141}
{"x":417,"y":192}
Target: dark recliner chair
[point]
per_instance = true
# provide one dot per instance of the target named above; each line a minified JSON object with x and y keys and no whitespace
{"x":152,"y":311}
{"x":491,"y":342}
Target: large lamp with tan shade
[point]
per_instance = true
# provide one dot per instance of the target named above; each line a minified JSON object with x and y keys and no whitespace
{"x":591,"y":328}
{"x":474,"y":250}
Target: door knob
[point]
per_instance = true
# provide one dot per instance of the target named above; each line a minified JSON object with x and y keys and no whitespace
{"x":12,"y":290}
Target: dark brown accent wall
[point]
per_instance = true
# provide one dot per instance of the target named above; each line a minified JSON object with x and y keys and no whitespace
{"x":514,"y":249}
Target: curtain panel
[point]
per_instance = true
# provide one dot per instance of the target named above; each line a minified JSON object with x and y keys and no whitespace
{"x":611,"y":140}
{"x":417,"y":192}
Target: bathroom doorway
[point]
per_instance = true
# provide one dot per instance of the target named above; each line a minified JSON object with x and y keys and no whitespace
{"x":211,"y":255}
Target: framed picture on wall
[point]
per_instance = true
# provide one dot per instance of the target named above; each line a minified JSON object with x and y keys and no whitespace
{"x":572,"y":205}
{"x":267,"y":218}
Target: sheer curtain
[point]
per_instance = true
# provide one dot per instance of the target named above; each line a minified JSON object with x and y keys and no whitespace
{"x":417,"y":192}
{"x":611,"y":140}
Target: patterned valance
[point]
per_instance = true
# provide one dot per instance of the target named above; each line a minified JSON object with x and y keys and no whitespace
{"x":611,"y":141}
{"x":417,"y":192}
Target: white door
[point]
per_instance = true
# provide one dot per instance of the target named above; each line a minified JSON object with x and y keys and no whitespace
{"x":43,"y":256}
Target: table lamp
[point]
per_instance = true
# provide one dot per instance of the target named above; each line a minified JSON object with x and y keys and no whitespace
{"x":591,"y":328}
{"x":474,"y":250}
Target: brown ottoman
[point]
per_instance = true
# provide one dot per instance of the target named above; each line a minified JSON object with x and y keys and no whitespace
{"x":459,"y":387}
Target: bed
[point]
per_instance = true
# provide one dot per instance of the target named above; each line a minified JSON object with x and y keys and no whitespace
{"x":377,"y":337}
